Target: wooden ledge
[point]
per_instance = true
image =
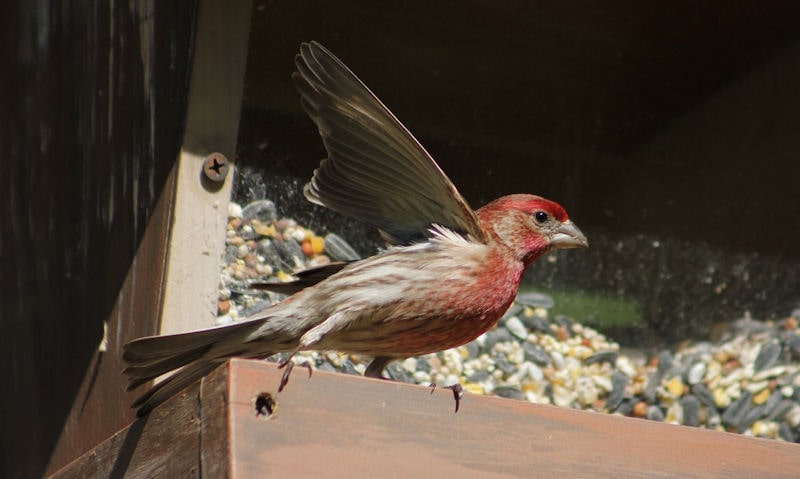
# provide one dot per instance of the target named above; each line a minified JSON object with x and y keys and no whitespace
{"x":336,"y":425}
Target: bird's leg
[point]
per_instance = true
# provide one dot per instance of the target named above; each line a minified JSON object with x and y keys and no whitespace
{"x":376,"y":367}
{"x":289,"y":365}
{"x":458,"y":392}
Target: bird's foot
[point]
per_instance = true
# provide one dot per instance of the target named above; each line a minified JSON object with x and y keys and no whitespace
{"x":458,"y":392}
{"x":289,"y":365}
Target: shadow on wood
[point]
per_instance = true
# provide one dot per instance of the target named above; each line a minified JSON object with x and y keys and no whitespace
{"x":335,"y":425}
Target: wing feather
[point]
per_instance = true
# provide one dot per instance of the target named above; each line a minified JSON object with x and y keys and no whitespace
{"x":376,"y":171}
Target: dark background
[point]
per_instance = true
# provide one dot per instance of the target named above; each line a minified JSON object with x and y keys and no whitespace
{"x":669,"y":131}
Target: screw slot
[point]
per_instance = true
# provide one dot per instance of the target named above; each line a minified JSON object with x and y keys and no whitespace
{"x":216,"y":167}
{"x":265,"y":405}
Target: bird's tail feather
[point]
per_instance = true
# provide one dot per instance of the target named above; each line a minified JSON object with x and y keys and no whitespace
{"x":150,"y":357}
{"x":142,"y":373}
{"x":153,"y":348}
{"x":172,"y":385}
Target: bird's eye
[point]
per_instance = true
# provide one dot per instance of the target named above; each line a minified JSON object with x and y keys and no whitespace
{"x":541,"y":217}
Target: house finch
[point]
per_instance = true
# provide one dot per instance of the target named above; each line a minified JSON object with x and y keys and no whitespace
{"x":450,"y":275}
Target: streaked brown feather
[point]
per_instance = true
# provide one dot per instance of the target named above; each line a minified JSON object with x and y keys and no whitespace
{"x":305,"y":278}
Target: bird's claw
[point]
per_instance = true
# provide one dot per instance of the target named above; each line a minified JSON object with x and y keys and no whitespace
{"x":458,"y":392}
{"x":289,"y":365}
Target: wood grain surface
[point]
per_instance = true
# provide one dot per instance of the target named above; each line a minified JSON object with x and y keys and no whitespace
{"x":336,"y":425}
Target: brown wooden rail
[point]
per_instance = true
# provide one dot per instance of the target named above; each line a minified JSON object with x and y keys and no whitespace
{"x":335,"y":425}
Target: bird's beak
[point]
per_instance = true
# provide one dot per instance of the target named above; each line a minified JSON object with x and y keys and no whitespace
{"x":568,"y":236}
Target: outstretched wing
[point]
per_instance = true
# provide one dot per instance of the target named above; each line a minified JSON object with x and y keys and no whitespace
{"x":376,"y":171}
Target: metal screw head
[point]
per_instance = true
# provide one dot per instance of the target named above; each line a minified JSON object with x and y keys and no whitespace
{"x":216,"y":167}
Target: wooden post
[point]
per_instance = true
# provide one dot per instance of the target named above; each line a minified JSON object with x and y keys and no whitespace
{"x":175,"y":272}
